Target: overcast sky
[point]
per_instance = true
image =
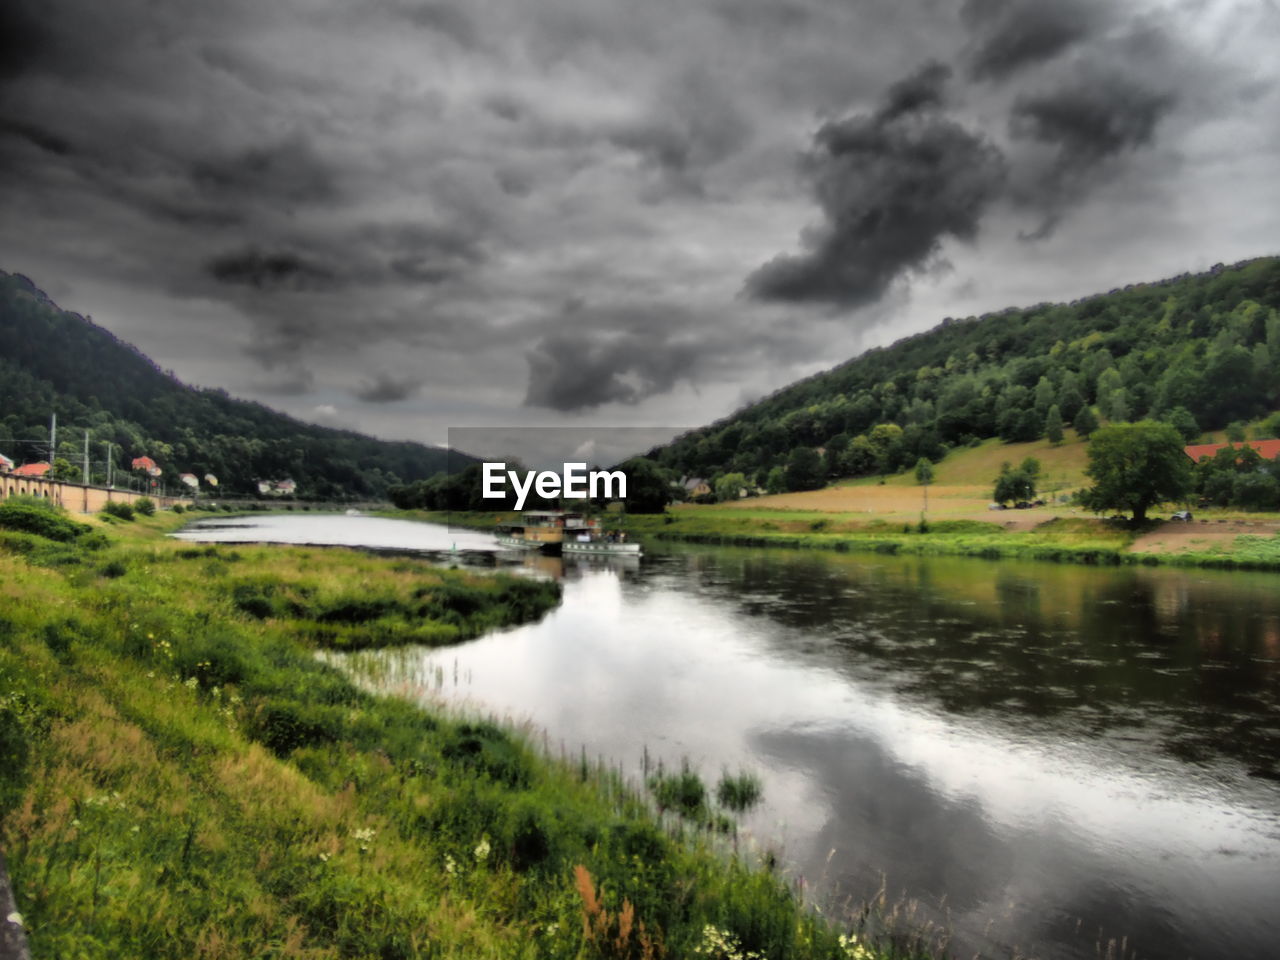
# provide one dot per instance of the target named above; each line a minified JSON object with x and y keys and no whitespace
{"x":403,"y":216}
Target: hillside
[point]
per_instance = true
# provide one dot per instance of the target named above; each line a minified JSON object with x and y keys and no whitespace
{"x":52,"y":360}
{"x":1200,"y":351}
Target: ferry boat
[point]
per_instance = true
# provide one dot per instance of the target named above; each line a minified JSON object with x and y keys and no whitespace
{"x":558,"y":531}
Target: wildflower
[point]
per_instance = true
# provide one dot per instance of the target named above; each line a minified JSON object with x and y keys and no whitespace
{"x":324,"y":858}
{"x":482,"y":849}
{"x":191,"y":683}
{"x":450,"y":865}
{"x":15,"y":918}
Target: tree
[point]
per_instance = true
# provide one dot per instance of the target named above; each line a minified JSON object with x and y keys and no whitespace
{"x":804,"y":469}
{"x":1053,"y":425}
{"x":1014,"y":485}
{"x":730,"y":486}
{"x":924,"y":471}
{"x":777,"y":480}
{"x":924,"y":477}
{"x":1180,"y":419}
{"x":1085,"y":422}
{"x":63,"y":470}
{"x":858,"y":458}
{"x":1134,"y":466}
{"x":648,"y":488}
{"x":1236,"y":431}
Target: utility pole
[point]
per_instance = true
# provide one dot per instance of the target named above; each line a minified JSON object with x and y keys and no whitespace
{"x":53,"y":438}
{"x":109,"y":483}
{"x":86,"y":458}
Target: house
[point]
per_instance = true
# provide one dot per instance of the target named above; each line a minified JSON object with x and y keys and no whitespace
{"x":189,"y":479}
{"x":6,"y":465}
{"x":286,"y":487}
{"x":1266,"y":449}
{"x":696,"y":487}
{"x":264,"y":486}
{"x":146,"y":464}
{"x":32,"y":470}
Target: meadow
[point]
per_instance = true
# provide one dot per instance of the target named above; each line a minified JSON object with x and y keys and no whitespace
{"x":181,"y":776}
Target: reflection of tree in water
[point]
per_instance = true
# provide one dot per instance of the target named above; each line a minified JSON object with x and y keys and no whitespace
{"x":1188,"y":658}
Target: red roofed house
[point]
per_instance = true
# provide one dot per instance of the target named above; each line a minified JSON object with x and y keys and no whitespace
{"x":1266,"y":449}
{"x":5,"y":464}
{"x":143,"y":463}
{"x":32,"y":470}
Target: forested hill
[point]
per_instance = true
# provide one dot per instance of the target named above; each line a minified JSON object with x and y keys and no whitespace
{"x":52,"y":360}
{"x":1199,"y":351}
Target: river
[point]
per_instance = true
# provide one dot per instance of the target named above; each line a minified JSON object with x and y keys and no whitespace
{"x":1046,"y":761}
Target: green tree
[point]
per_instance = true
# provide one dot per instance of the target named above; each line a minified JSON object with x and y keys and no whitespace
{"x":804,"y":469}
{"x":924,"y":471}
{"x":729,"y":486}
{"x":63,"y":470}
{"x":1053,"y":425}
{"x":1085,"y":422}
{"x":777,"y":480}
{"x":1236,"y":431}
{"x":648,"y":488}
{"x":1014,"y":485}
{"x":1134,"y":466}
{"x":1180,"y":419}
{"x":858,"y":458}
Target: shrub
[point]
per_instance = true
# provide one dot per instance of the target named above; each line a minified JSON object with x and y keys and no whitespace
{"x":739,"y":793}
{"x":118,"y":509}
{"x":179,"y":508}
{"x":44,"y":520}
{"x":145,"y":506}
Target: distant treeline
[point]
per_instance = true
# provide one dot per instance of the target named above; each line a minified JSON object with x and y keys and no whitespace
{"x":1196,"y":351}
{"x":52,"y":360}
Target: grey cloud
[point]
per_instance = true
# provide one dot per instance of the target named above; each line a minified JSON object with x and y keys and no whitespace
{"x":269,"y":270}
{"x":693,"y":125}
{"x":388,"y":389}
{"x":1093,"y":118}
{"x":569,"y":372}
{"x":444,"y":18}
{"x":891,"y":185}
{"x":922,"y":90}
{"x":1014,"y":34}
{"x":288,"y":172}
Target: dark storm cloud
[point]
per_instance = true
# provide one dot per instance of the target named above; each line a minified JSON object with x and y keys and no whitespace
{"x":269,"y":270}
{"x":385,"y":388}
{"x":1011,"y":35}
{"x":572,"y":371}
{"x":444,"y":18}
{"x":891,"y":185}
{"x":24,"y":37}
{"x":922,"y":90}
{"x":426,"y":253}
{"x":1094,"y":118}
{"x":288,"y":172}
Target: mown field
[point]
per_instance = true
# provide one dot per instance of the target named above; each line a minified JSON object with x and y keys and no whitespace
{"x":182,"y":777}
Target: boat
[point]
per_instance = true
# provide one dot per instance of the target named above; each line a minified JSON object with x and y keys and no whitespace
{"x":559,"y":531}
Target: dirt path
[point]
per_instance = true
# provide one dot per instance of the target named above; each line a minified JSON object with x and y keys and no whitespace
{"x":1198,"y":535}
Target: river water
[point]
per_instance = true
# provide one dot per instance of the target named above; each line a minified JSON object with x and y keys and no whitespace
{"x":1046,"y":761}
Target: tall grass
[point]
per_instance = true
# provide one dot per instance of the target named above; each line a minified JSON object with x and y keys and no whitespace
{"x":182,"y":777}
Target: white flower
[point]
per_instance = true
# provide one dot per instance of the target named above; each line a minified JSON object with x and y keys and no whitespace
{"x":15,"y":918}
{"x":482,"y":849}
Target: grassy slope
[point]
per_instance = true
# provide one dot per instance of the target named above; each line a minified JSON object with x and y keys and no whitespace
{"x":198,"y":785}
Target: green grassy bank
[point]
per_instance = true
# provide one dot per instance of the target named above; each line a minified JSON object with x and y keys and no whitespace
{"x":181,"y":777}
{"x":1058,"y":539}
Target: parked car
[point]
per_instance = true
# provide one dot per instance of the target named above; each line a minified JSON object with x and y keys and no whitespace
{"x":1183,"y":515}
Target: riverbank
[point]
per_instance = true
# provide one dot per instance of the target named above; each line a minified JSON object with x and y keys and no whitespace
{"x":1229,"y":541}
{"x":182,"y":777}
